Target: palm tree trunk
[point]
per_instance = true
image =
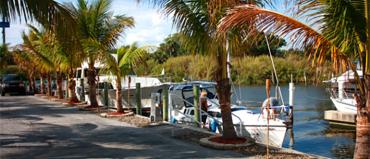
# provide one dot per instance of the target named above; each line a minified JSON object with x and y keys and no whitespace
{"x":42,"y":85}
{"x":92,"y":84}
{"x":60,"y":85}
{"x":363,"y":125}
{"x":34,"y":85}
{"x":363,"y":109}
{"x":48,"y":88}
{"x":72,"y":87}
{"x":367,"y":16}
{"x":119,"y":94}
{"x":223,"y":91}
{"x":30,"y":85}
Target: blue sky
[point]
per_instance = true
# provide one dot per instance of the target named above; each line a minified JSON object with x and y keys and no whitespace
{"x":151,"y":27}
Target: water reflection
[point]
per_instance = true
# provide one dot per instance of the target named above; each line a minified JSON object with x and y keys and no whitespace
{"x":312,"y":134}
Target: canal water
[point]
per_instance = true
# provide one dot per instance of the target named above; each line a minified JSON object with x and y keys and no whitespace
{"x":312,"y":134}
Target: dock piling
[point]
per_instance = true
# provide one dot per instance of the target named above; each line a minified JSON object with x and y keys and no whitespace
{"x":138,"y":98}
{"x":105,"y":94}
{"x":196,"y":105}
{"x":165,"y":105}
{"x":291,"y":104}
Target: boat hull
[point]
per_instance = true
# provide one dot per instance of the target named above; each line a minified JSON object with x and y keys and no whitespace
{"x":255,"y":126}
{"x":345,"y":105}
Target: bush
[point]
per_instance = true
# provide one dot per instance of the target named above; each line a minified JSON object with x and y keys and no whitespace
{"x":245,"y":70}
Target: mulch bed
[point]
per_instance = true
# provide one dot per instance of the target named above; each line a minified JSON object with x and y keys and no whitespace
{"x":221,"y":140}
{"x":135,"y":120}
{"x":116,"y":113}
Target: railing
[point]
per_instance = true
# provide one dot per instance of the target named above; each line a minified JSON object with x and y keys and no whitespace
{"x":240,"y":120}
{"x":218,"y":122}
{"x":191,"y":117}
{"x":348,"y":94}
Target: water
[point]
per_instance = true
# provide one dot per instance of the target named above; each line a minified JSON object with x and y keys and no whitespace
{"x":312,"y":133}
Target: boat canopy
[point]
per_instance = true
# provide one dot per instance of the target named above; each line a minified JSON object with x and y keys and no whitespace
{"x":345,"y":77}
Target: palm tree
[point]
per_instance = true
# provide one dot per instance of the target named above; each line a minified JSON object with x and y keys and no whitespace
{"x":98,"y":31}
{"x":197,"y":21}
{"x":24,"y":62}
{"x":127,"y":57}
{"x":49,"y":13}
{"x":344,"y":35}
{"x":39,"y":45}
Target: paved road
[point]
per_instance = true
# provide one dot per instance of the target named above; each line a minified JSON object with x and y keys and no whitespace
{"x":31,"y":127}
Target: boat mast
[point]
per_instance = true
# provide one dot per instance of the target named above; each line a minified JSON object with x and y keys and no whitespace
{"x":274,"y":69}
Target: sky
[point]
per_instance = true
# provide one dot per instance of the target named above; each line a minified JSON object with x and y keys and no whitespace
{"x":151,"y":26}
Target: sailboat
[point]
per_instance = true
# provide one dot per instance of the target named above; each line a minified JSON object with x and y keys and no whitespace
{"x":267,"y":129}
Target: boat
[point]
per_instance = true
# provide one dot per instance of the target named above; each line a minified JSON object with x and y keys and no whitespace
{"x":148,"y":85}
{"x":342,"y":89}
{"x":247,"y":123}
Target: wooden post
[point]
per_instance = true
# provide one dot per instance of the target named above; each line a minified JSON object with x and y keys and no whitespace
{"x":196,"y":105}
{"x":105,"y":95}
{"x":138,"y":98}
{"x":165,"y":104}
{"x":82,"y":95}
{"x":268,"y":85}
{"x":67,"y":88}
{"x":291,"y":104}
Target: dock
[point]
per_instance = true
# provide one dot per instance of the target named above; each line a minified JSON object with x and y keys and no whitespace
{"x":341,"y":118}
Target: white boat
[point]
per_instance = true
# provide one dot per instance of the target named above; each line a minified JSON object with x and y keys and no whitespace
{"x":246,"y":122}
{"x":341,"y":91}
{"x":148,"y":85}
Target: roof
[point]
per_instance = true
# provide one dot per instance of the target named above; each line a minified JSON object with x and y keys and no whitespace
{"x":345,"y":77}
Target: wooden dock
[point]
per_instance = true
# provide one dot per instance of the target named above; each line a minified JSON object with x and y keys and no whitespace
{"x":341,"y":118}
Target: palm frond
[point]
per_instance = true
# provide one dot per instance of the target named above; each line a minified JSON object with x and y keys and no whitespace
{"x":116,"y":27}
{"x":251,"y":17}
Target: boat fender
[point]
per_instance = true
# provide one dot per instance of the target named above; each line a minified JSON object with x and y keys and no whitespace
{"x":173,"y":121}
{"x":213,"y":125}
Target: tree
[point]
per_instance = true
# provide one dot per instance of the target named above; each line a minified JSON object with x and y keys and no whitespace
{"x":98,"y":31}
{"x":197,"y":21}
{"x":127,"y":57}
{"x":171,"y":47}
{"x":259,"y":46}
{"x":4,"y":56}
{"x":344,"y":35}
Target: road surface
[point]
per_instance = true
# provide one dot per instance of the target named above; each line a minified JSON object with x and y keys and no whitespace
{"x":31,"y":127}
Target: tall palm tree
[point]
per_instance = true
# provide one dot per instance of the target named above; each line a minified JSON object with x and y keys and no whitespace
{"x":49,"y":13}
{"x":98,"y":31}
{"x":24,"y":62}
{"x":127,"y":57}
{"x":197,"y":20}
{"x":37,"y":43}
{"x":344,"y":34}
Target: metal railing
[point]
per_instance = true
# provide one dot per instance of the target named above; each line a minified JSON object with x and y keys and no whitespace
{"x":170,"y":95}
{"x":206,"y":113}
{"x":240,"y":120}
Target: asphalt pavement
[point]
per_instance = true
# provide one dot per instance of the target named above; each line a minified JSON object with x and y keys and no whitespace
{"x":31,"y":127}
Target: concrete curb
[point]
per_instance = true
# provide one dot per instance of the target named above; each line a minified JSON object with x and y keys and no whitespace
{"x":105,"y":115}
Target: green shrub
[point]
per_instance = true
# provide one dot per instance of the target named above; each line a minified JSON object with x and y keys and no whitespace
{"x":245,"y":70}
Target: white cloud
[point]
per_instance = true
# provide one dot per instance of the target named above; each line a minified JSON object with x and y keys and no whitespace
{"x":151,"y":27}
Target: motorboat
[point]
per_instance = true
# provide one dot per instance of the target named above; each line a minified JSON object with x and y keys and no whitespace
{"x":342,"y":90}
{"x":246,"y":122}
